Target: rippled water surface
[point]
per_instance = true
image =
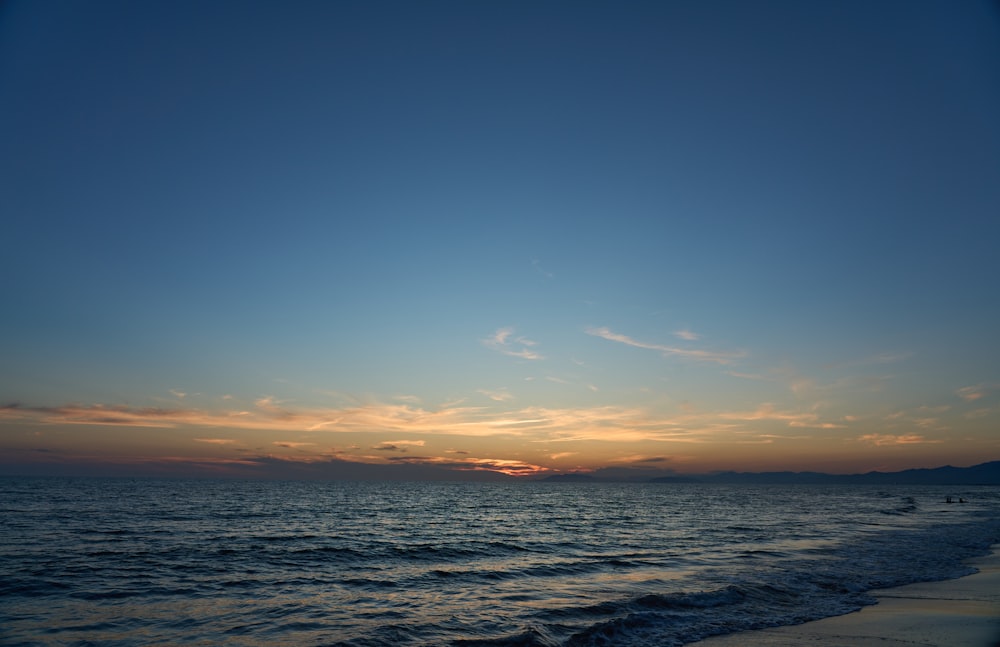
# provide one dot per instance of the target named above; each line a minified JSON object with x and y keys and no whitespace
{"x":136,"y":562}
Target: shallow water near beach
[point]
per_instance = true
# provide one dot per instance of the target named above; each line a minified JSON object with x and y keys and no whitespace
{"x":202,"y":562}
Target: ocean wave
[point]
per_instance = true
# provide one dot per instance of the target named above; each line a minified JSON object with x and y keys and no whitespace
{"x":508,"y":566}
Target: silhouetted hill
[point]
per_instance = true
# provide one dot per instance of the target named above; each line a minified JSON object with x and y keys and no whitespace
{"x":983,"y":474}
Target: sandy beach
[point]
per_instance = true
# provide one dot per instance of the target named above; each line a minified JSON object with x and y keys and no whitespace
{"x":964,"y":612}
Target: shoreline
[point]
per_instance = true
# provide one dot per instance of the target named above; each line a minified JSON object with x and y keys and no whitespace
{"x":962,"y":612}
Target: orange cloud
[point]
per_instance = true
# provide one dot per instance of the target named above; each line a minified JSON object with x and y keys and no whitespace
{"x":888,"y":439}
{"x":501,"y":395}
{"x":793,"y":419}
{"x":979,"y":391}
{"x":535,"y":424}
{"x":504,"y":466}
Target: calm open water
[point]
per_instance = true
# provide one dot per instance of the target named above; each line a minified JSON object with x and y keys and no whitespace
{"x":196,"y":562}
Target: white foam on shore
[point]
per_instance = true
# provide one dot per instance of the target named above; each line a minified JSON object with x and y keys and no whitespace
{"x":963,"y":612}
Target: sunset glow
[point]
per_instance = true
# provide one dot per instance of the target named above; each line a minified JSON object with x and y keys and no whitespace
{"x":456,"y":240}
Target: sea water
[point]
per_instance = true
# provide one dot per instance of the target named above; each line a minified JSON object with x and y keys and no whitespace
{"x":202,"y":562}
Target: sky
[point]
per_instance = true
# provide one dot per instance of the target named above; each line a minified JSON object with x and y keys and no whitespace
{"x":476,"y":239}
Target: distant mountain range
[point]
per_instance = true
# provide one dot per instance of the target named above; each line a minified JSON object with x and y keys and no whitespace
{"x":983,"y":474}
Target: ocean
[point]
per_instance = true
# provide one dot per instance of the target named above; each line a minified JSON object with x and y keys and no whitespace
{"x":219,"y":562}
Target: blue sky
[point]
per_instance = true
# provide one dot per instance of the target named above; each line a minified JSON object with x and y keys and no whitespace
{"x":681,"y":235}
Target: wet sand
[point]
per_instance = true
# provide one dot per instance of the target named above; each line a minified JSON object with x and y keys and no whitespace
{"x":964,"y":612}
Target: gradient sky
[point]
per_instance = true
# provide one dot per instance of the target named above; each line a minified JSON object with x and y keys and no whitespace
{"x":414,"y":238}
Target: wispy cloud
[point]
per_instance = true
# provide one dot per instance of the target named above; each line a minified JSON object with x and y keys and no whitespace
{"x":504,"y":342}
{"x":667,"y":351}
{"x":99,"y":414}
{"x":750,"y":376}
{"x":601,"y":423}
{"x":538,"y":268}
{"x":292,"y":445}
{"x":502,"y":465}
{"x":887,"y":357}
{"x":267,"y":403}
{"x":409,"y":424}
{"x":889,"y":439}
{"x":806,"y":387}
{"x":501,"y":395}
{"x":217,"y":441}
{"x":397,"y":445}
{"x":686,"y":335}
{"x":265,"y":415}
{"x":642,"y":459}
{"x":931,"y":424}
{"x":941,"y":408}
{"x":926,"y":418}
{"x":977,"y":392}
{"x":768,"y":412}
